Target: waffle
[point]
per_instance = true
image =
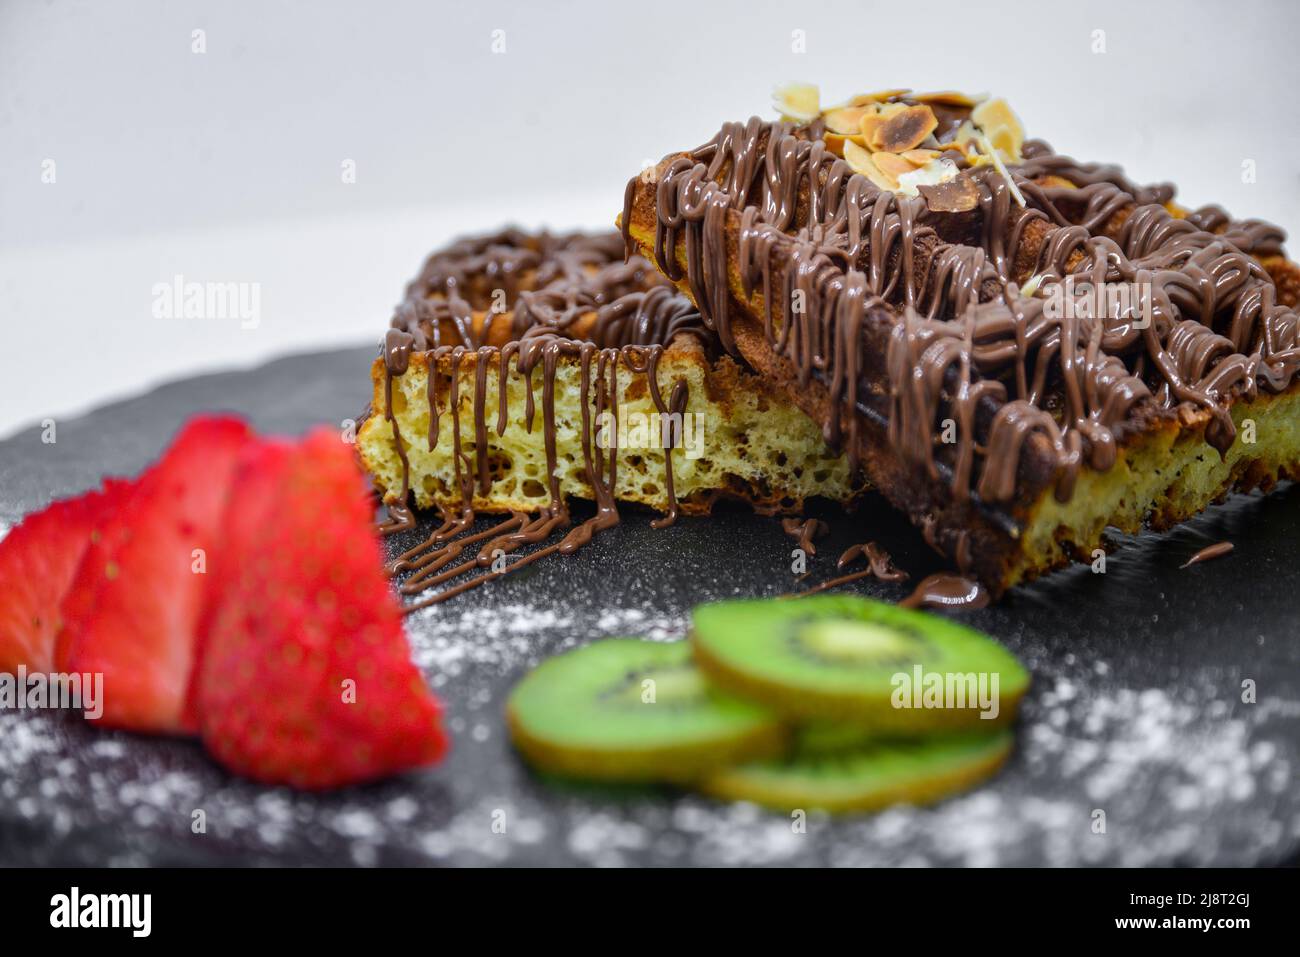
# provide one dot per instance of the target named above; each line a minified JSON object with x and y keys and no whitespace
{"x":912,"y":273}
{"x":558,"y":330}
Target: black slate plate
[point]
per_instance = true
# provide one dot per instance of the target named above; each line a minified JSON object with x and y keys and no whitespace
{"x":1136,"y":708}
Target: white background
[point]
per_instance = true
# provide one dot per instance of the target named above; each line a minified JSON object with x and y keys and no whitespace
{"x":226,"y":165}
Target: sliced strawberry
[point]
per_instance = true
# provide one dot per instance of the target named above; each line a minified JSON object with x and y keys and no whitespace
{"x":77,"y":602}
{"x":134,"y":604}
{"x":305,"y":675}
{"x":38,"y":559}
{"x":254,"y":494}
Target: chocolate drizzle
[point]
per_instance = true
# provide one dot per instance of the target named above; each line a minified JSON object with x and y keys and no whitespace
{"x":944,"y":590}
{"x":879,"y":566}
{"x":804,"y":531}
{"x":512,"y":299}
{"x":1209,"y":553}
{"x":879,"y":561}
{"x":931,"y":303}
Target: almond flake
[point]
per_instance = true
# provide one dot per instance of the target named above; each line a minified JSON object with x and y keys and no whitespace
{"x":860,"y":161}
{"x":996,"y":160}
{"x":904,"y":129}
{"x":995,"y":119}
{"x":835,"y":142}
{"x":847,"y":120}
{"x":919,"y":158}
{"x":891,"y":164}
{"x":871,"y":122}
{"x":798,"y":101}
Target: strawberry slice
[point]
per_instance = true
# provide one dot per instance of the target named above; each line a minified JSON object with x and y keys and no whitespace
{"x":304,"y":675}
{"x":77,"y":602}
{"x":38,"y":559}
{"x":135,"y":601}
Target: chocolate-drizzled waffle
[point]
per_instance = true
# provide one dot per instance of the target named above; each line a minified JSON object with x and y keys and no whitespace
{"x":920,"y":279}
{"x":507,"y":369}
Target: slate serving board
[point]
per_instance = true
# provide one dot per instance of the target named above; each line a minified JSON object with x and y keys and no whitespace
{"x":1136,"y":711}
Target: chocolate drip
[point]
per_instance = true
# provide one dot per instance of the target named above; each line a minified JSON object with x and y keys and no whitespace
{"x":946,"y":590}
{"x":804,"y":531}
{"x":833,"y":583}
{"x":1208,"y":553}
{"x":400,"y":518}
{"x":571,"y":297}
{"x":879,"y":566}
{"x":960,"y":341}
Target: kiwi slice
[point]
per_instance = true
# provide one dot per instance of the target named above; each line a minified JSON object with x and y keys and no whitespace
{"x":849,"y":660}
{"x":624,"y":709}
{"x":865,"y":778}
{"x":822,"y":736}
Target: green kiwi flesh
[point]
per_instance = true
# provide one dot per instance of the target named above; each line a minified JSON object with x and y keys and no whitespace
{"x":624,"y":709}
{"x":848,"y":660}
{"x":865,"y":778}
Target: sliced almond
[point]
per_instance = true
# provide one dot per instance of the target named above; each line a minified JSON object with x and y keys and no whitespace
{"x":863,"y":99}
{"x":871,"y":121}
{"x":891,"y":164}
{"x":996,"y":159}
{"x":860,"y":161}
{"x":904,"y":129}
{"x":919,"y":157}
{"x":1007,"y":143}
{"x":957,"y":195}
{"x":847,"y":120}
{"x":994,"y":113}
{"x":1001,"y":126}
{"x":835,"y":142}
{"x":798,"y":101}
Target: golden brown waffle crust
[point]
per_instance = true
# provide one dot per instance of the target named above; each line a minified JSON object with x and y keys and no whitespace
{"x":745,"y":418}
{"x":1165,"y":474}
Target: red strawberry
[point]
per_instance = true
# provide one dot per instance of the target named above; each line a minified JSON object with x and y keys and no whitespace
{"x":38,"y":559}
{"x":135,"y":601}
{"x":77,"y":602}
{"x":305,"y":676}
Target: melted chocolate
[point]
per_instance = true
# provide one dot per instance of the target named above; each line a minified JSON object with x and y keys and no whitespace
{"x":1208,"y":553}
{"x":833,"y":583}
{"x":946,"y":590}
{"x":879,"y":561}
{"x":879,"y":566}
{"x":804,"y":531}
{"x":568,"y":296}
{"x":964,"y":343}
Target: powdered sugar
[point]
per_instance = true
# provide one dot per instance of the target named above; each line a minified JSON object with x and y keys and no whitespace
{"x":1118,"y":760}
{"x":1179,"y":778}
